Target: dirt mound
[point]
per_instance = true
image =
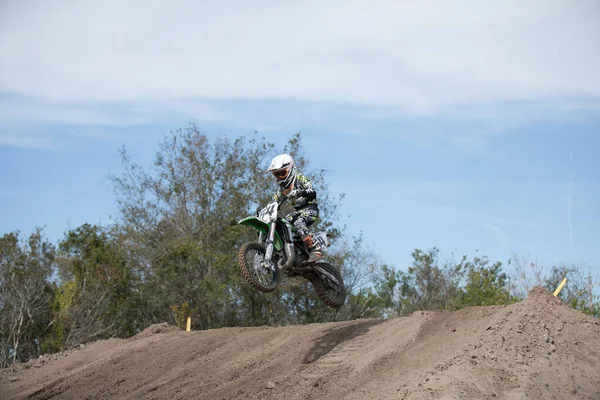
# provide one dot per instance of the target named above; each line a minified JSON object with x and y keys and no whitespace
{"x":535,"y":349}
{"x":155,"y":330}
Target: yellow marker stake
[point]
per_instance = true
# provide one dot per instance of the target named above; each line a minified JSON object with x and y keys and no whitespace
{"x":189,"y":325}
{"x":559,"y":288}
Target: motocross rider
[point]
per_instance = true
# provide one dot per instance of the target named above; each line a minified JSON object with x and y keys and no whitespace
{"x":298,"y":189}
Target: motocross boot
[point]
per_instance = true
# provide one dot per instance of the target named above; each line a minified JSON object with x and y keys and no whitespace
{"x":315,"y":250}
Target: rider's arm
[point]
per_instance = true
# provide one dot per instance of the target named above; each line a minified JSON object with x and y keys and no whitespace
{"x":279,"y":197}
{"x":306,"y":189}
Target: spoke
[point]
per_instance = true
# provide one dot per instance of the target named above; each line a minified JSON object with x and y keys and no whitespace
{"x":261,"y":274}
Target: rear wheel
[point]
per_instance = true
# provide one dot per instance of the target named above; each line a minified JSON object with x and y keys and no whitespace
{"x":331,"y":293}
{"x":250,"y":259}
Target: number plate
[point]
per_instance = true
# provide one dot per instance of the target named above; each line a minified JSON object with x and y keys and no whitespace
{"x":269,"y":213}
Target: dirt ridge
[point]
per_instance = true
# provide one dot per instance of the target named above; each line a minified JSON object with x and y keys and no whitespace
{"x":536,"y":349}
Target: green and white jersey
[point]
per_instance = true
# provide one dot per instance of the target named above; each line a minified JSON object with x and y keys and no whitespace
{"x":302,"y":195}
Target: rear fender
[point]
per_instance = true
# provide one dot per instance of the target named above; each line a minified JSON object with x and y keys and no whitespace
{"x":322,"y":271}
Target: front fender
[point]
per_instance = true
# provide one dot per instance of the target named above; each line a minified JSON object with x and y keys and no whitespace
{"x":263,"y":227}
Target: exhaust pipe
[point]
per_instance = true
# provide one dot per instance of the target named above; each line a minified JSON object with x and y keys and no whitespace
{"x":289,"y":256}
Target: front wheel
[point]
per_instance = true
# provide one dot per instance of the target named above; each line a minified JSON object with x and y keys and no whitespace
{"x":331,"y":293}
{"x":250,"y":259}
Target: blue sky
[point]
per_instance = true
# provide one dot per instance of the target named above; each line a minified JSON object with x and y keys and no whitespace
{"x":464,"y":125}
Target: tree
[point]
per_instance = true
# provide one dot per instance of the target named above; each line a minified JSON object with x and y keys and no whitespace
{"x":361,"y":268}
{"x":436,"y":288}
{"x":526,"y":274}
{"x":179,"y":223}
{"x":96,"y":297}
{"x":486,"y":284}
{"x":578,"y":291}
{"x":430,"y":285}
{"x":25,"y":296}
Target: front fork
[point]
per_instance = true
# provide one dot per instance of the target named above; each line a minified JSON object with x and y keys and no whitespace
{"x":269,"y":246}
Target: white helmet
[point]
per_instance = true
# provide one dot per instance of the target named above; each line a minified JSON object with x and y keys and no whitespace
{"x":284,"y":170}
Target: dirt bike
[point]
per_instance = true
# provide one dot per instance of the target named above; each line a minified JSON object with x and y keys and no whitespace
{"x":280,"y":248}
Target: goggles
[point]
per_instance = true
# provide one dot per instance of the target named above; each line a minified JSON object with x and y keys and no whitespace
{"x":280,"y":173}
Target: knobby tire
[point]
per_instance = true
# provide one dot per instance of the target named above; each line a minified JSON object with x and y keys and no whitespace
{"x":248,"y":273}
{"x":321,"y":285}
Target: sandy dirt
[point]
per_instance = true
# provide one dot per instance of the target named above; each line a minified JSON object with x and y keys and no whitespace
{"x":535,"y":349}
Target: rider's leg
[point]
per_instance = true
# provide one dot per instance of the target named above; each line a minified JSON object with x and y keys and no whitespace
{"x":306,"y":217}
{"x":301,"y":221}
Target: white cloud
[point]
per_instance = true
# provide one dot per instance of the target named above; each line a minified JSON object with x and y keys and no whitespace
{"x":62,"y":113}
{"x":116,"y":113}
{"x":420,"y":57}
{"x":9,"y":139}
